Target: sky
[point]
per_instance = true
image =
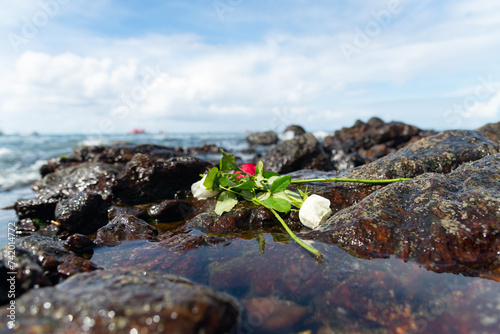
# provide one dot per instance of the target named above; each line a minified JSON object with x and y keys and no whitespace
{"x":235,"y":65}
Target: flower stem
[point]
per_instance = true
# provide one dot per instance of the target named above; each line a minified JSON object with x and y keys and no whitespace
{"x":350,"y":180}
{"x":314,"y":251}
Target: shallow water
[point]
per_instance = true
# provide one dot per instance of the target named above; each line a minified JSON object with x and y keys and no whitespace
{"x":342,"y":292}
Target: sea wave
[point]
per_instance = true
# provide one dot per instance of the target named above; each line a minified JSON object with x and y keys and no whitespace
{"x":5,"y":151}
{"x":17,"y":176}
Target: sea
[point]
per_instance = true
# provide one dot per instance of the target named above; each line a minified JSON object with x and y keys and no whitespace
{"x":21,"y":157}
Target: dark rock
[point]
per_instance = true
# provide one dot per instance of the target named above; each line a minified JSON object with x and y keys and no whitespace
{"x":36,"y":208}
{"x":41,"y":261}
{"x":126,"y":300}
{"x":123,"y":228}
{"x":262,"y":138}
{"x":205,"y":149}
{"x":296,"y":129}
{"x":300,"y":153}
{"x":447,"y":222}
{"x":367,"y":142}
{"x":492,"y":131}
{"x":145,"y":180}
{"x":79,"y":243}
{"x":115,"y":211}
{"x":83,"y":213}
{"x":121,"y":153}
{"x":26,"y":226}
{"x":88,"y":177}
{"x":113,"y":155}
{"x":28,"y":273}
{"x":440,"y":153}
{"x":171,"y":210}
{"x":245,"y":217}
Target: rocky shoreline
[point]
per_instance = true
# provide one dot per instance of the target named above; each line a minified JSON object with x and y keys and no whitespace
{"x":113,"y":232}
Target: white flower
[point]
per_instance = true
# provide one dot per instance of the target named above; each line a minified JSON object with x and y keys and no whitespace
{"x":200,"y":192}
{"x":314,"y":211}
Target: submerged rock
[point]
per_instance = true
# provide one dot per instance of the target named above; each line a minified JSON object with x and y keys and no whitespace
{"x":448,"y":222}
{"x":126,"y":300}
{"x":262,"y":138}
{"x":300,"y":153}
{"x":145,"y":180}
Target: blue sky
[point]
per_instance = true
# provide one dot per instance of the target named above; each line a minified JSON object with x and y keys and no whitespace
{"x":235,"y":65}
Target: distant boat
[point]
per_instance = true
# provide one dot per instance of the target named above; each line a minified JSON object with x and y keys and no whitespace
{"x":137,"y":131}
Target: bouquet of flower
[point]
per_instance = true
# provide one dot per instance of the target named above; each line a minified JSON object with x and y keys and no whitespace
{"x":250,"y":182}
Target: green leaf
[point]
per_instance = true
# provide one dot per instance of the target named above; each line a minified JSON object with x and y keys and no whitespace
{"x":281,"y":183}
{"x":248,"y":185}
{"x":225,"y":202}
{"x":227,"y":162}
{"x":209,"y":180}
{"x":259,"y":170}
{"x":292,"y":197}
{"x":278,"y":204}
{"x":268,"y":175}
{"x":248,"y":195}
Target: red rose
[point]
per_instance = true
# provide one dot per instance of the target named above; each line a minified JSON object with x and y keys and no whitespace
{"x":247,"y":168}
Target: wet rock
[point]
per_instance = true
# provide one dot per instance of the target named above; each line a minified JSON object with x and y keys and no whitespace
{"x":79,"y":243}
{"x":83,"y":213}
{"x":262,"y":138}
{"x":125,"y":227}
{"x":26,"y":226}
{"x":126,"y":300}
{"x":367,"y":142}
{"x":492,"y":131}
{"x":145,"y":180}
{"x":244,"y":217}
{"x":297,"y":130}
{"x":300,"y":153}
{"x":36,"y":208}
{"x":115,"y":211}
{"x":88,"y":177}
{"x":121,"y":153}
{"x":28,"y":273}
{"x":41,"y":261}
{"x":447,"y":222}
{"x":440,"y":153}
{"x":205,"y":149}
{"x":171,"y":210}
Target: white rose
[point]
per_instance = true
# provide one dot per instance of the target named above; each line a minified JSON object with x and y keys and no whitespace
{"x":200,"y":192}
{"x":314,"y":211}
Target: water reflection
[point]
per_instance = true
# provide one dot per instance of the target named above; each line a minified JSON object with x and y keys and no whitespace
{"x":275,"y":279}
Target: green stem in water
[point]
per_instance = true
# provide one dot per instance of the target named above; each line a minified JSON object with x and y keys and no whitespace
{"x":316,"y":253}
{"x":350,"y":180}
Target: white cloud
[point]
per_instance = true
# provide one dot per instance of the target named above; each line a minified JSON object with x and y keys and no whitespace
{"x":160,"y":80}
